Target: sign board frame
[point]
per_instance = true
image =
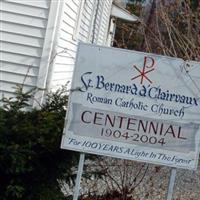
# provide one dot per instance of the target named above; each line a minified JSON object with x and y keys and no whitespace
{"x":92,"y":88}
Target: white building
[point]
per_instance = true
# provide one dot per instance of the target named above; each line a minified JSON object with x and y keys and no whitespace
{"x":39,"y":39}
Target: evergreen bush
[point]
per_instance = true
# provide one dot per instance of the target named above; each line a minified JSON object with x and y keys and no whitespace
{"x":31,"y":161}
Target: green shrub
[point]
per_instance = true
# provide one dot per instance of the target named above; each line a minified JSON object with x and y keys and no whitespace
{"x":31,"y":161}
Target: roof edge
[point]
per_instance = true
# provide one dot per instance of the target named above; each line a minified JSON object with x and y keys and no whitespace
{"x":120,"y":12}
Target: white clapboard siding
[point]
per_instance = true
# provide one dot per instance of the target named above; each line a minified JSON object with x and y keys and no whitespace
{"x":69,"y":51}
{"x":31,"y":55}
{"x":21,"y":39}
{"x":97,"y":21}
{"x":16,"y":58}
{"x":67,"y":60}
{"x":66,"y":26}
{"x":65,"y":80}
{"x":66,"y":45}
{"x":18,"y":79}
{"x":22,"y":29}
{"x":21,"y":49}
{"x":87,"y":18}
{"x":22,"y":19}
{"x":19,"y":69}
{"x":102,"y":27}
{"x":32,"y":3}
{"x":23,"y":26}
{"x":66,"y":74}
{"x":73,"y":28}
{"x":62,"y":68}
{"x":70,"y":9}
{"x":57,"y":83}
{"x":29,"y":11}
{"x":66,"y":48}
{"x":82,"y":20}
{"x":11,"y":87}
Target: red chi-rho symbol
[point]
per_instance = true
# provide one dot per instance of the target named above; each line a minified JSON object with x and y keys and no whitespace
{"x":147,"y":68}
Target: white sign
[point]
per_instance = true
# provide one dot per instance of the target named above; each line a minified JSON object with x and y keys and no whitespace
{"x":134,"y":105}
